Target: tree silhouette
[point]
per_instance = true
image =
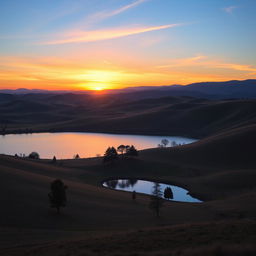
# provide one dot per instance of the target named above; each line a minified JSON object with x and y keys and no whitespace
{"x":174,"y":144}
{"x":168,"y":193}
{"x":164,"y":142}
{"x":121,"y":149}
{"x":132,"y":151}
{"x":156,"y":202}
{"x":54,"y":160}
{"x":133,"y":195}
{"x":110,"y":155}
{"x":34,"y":155}
{"x":57,"y":196}
{"x":127,"y":147}
{"x":76,"y":156}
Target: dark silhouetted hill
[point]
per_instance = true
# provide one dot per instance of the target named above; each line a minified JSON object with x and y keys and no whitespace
{"x":187,"y":116}
{"x":210,"y":90}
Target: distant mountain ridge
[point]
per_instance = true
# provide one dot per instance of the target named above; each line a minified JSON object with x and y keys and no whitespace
{"x":210,"y":90}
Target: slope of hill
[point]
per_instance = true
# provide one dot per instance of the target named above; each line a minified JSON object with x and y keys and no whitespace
{"x":185,"y":116}
{"x":114,"y":221}
{"x":233,"y":149}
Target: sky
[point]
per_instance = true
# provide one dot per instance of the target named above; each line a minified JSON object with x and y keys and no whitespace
{"x":108,"y":44}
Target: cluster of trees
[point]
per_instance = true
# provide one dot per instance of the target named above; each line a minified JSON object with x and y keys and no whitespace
{"x":32,"y":155}
{"x":111,"y":153}
{"x":164,"y":143}
{"x":35,"y":155}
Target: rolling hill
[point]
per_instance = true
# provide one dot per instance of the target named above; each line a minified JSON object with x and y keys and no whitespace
{"x":219,"y":169}
{"x":99,"y":220}
{"x":185,"y":116}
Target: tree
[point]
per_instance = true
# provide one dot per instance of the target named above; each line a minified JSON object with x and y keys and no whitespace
{"x":110,"y":155}
{"x":54,"y":160}
{"x":121,"y":149}
{"x":164,"y":142}
{"x":34,"y":155}
{"x":174,"y":143}
{"x":57,"y":196}
{"x":168,"y":193}
{"x":127,"y":147}
{"x":133,"y":195}
{"x":156,"y":202}
{"x":76,"y":156}
{"x":132,"y":151}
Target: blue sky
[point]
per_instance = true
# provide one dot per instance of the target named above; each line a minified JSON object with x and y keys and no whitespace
{"x":119,"y":43}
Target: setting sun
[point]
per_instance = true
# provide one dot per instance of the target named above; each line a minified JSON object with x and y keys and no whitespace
{"x":98,"y":88}
{"x":99,"y":79}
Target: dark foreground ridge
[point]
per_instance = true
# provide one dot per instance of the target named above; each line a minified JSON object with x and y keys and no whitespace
{"x":100,"y":221}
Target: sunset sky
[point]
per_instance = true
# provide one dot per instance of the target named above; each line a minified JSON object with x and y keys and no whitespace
{"x":99,"y":44}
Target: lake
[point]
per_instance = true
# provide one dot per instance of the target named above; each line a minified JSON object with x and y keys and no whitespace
{"x":146,"y":187}
{"x":66,"y":145}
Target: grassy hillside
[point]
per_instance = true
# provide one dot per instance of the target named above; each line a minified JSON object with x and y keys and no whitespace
{"x":234,"y":238}
{"x":99,"y":220}
{"x":232,"y":148}
{"x":108,"y":113}
{"x":219,"y":169}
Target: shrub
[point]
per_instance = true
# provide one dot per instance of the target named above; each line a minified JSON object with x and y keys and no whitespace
{"x":34,"y":155}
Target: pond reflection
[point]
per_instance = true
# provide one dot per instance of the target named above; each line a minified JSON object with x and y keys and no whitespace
{"x":169,"y":192}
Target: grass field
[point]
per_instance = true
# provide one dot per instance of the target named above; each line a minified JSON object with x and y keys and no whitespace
{"x":101,"y":221}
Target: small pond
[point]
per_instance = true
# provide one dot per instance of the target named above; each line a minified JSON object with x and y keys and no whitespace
{"x":146,"y":187}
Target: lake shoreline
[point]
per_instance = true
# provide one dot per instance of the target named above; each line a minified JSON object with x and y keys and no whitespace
{"x":157,"y":180}
{"x":23,"y":132}
{"x":66,"y":145}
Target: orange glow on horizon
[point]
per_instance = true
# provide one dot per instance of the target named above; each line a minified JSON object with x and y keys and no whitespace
{"x":57,"y":73}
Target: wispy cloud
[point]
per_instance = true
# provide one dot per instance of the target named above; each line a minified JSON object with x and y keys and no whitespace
{"x":107,"y":14}
{"x":184,"y":62}
{"x":99,"y":35}
{"x":206,"y":62}
{"x":238,"y":67}
{"x":230,"y":9}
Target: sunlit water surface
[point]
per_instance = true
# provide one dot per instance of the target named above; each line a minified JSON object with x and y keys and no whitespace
{"x":146,"y":187}
{"x":66,"y":145}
